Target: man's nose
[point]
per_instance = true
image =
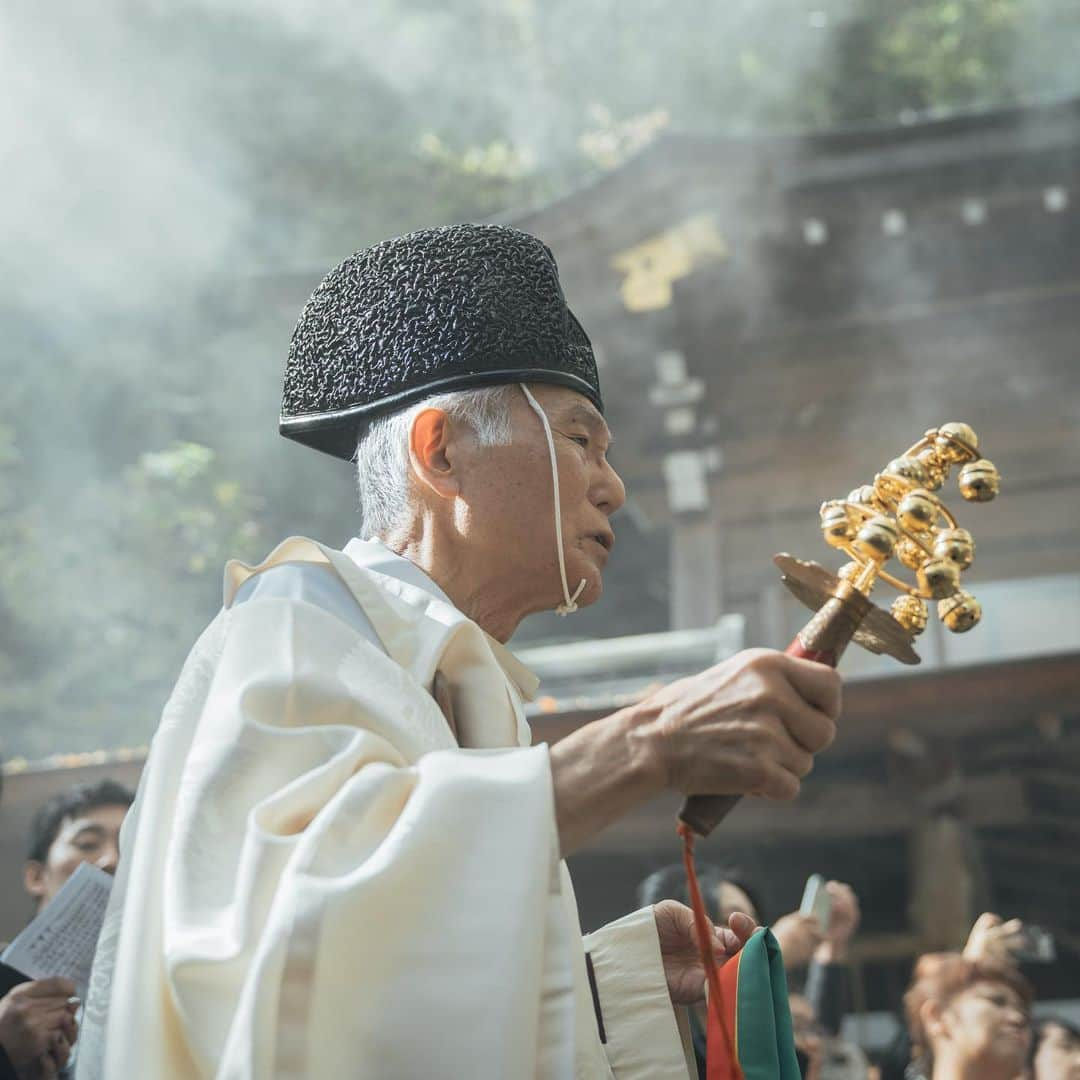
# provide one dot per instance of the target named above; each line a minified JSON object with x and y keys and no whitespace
{"x":609,"y":492}
{"x":108,"y":859}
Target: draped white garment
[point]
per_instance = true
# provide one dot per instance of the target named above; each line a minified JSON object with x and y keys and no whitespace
{"x":317,"y":880}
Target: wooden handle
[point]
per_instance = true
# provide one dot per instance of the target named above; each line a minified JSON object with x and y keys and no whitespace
{"x":823,"y":639}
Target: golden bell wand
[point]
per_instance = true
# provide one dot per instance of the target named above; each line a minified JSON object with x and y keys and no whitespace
{"x":898,"y":515}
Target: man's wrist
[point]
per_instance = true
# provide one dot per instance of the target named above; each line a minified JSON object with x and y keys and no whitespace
{"x":601,"y":772}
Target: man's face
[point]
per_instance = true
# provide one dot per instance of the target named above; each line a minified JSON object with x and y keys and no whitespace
{"x":1058,"y":1056}
{"x":508,"y":501}
{"x":91,"y":836}
{"x":988,"y":1024}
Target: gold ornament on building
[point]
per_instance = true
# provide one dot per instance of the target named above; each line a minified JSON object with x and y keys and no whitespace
{"x":903,"y":515}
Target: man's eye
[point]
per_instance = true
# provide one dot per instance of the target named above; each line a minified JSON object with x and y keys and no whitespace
{"x":581,"y":440}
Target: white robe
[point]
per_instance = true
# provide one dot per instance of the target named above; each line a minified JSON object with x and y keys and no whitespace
{"x":317,"y":880}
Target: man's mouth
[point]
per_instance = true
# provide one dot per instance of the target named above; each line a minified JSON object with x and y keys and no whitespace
{"x":605,"y":539}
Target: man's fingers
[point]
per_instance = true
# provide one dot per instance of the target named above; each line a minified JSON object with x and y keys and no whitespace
{"x":775,"y":782}
{"x":1013,"y":926}
{"x":815,"y":683}
{"x":742,"y":926}
{"x":69,"y":1028}
{"x":55,"y":986}
{"x":727,"y":940}
{"x":809,"y":726}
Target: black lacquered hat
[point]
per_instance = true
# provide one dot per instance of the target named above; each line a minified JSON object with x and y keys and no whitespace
{"x":434,"y":311}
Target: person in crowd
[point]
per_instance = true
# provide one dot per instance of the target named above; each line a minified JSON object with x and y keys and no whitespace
{"x":37,"y":1025}
{"x":76,"y":826}
{"x":823,"y":952}
{"x":968,"y":1020}
{"x":991,"y":940}
{"x":1055,"y":1050}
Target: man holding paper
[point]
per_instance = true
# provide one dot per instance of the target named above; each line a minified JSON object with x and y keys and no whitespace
{"x":37,"y":1020}
{"x":345,"y":858}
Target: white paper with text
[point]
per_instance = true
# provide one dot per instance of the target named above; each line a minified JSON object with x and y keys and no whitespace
{"x":62,"y":938}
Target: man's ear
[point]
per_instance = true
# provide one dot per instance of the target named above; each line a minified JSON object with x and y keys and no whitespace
{"x":431,"y":452}
{"x":34,"y":878}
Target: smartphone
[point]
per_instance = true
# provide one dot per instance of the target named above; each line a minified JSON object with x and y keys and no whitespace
{"x":1037,"y":945}
{"x":816,"y":901}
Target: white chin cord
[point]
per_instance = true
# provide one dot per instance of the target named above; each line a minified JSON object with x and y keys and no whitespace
{"x":569,"y":604}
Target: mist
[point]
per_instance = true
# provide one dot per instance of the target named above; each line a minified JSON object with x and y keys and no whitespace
{"x":177,"y":177}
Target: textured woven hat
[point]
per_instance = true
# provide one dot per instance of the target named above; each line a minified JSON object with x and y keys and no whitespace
{"x":436,"y":310}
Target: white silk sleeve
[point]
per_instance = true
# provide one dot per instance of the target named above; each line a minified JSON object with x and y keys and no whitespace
{"x":322,"y":884}
{"x":644,"y":1035}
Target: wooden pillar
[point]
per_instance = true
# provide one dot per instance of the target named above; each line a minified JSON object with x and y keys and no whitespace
{"x":696,"y":598}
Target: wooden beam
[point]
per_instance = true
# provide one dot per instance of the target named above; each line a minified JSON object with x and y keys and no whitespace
{"x":830,"y":811}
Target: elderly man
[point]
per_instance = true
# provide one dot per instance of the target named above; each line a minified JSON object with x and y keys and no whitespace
{"x":346,"y":858}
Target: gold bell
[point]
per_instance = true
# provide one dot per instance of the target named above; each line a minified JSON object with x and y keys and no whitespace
{"x":939,"y":578}
{"x":956,"y":545}
{"x":936,"y":469}
{"x":918,"y":510}
{"x":910,"y":612}
{"x":960,"y":612}
{"x":877,"y":538}
{"x":900,"y":476}
{"x":912,"y":555}
{"x":979,"y":481}
{"x":863,"y":496}
{"x":956,"y":442}
{"x":835,"y":524}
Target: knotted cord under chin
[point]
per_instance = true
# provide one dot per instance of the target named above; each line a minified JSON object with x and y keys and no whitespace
{"x":569,"y":604}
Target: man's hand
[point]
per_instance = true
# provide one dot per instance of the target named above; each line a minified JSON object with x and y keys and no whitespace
{"x":679,"y":948}
{"x":799,"y":936}
{"x":994,"y":941}
{"x":748,"y":726}
{"x":844,"y":918}
{"x":37,"y":1026}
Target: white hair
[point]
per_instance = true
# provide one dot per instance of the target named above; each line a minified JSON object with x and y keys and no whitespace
{"x":382,"y":451}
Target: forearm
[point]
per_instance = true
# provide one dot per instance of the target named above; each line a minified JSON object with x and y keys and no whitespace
{"x":601,"y":772}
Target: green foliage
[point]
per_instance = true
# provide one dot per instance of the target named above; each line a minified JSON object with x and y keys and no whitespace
{"x":148,"y":322}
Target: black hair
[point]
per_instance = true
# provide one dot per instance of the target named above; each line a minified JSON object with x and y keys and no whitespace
{"x":669,"y":883}
{"x":68,"y":804}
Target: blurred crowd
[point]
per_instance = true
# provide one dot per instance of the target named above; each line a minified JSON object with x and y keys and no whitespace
{"x":965,"y":1015}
